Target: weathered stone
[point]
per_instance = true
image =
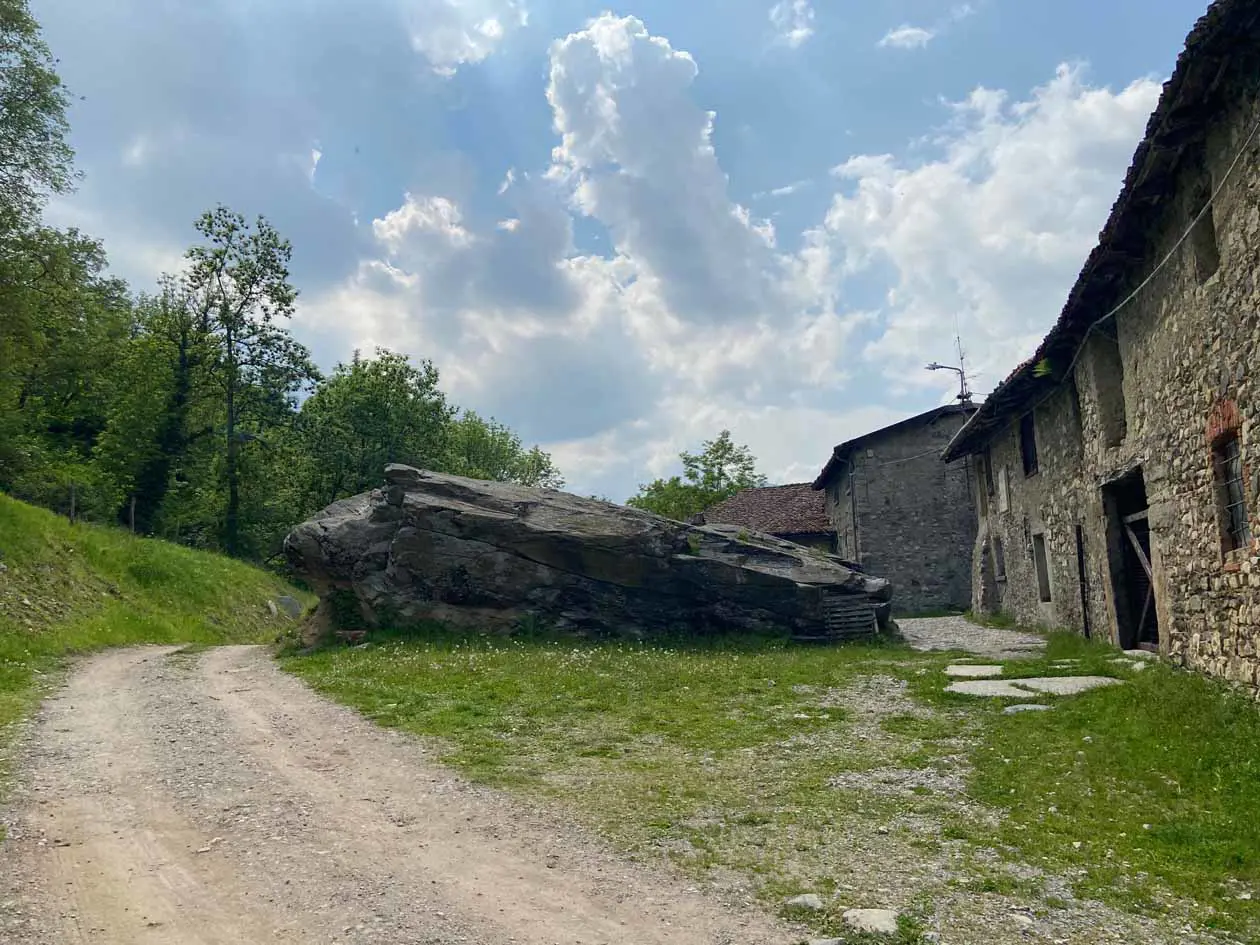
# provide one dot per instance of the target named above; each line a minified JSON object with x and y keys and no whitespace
{"x":1024,"y":688}
{"x":485,"y":555}
{"x":811,"y":901}
{"x":1025,"y":707}
{"x":291,"y":606}
{"x":969,"y":671}
{"x":872,"y":921}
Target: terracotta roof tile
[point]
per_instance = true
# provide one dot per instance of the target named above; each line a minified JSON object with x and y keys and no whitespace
{"x":795,"y":509}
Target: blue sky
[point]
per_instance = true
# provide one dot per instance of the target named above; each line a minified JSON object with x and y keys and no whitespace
{"x":623,"y":229}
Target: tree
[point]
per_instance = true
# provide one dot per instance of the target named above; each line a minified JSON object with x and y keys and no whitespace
{"x":486,"y":449}
{"x":238,"y":286}
{"x":35,"y":159}
{"x":717,"y":472}
{"x":370,"y":412}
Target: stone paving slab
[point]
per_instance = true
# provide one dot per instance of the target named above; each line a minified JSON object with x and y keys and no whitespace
{"x":972,"y":671}
{"x":1027,"y":688}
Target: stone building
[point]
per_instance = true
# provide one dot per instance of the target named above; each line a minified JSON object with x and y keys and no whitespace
{"x":1116,"y":470}
{"x":793,"y":512}
{"x":901,"y":513}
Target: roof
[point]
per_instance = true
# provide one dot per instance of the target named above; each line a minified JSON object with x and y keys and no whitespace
{"x":794,"y":509}
{"x":1224,"y":39}
{"x":840,"y":452}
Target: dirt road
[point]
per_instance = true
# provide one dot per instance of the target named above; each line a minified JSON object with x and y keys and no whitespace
{"x":176,"y":799}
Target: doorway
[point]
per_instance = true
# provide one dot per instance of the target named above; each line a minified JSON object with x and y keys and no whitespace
{"x":1129,"y":557}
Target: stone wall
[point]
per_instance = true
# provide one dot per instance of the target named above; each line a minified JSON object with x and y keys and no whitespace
{"x":1177,"y":367}
{"x":909,"y":517}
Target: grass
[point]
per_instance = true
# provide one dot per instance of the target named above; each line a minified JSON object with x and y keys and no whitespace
{"x":68,"y":589}
{"x":748,"y":759}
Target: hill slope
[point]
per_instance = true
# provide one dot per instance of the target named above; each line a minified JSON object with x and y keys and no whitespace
{"x":67,"y":589}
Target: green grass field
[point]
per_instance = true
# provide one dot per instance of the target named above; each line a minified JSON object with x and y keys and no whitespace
{"x":67,"y":589}
{"x":795,"y":769}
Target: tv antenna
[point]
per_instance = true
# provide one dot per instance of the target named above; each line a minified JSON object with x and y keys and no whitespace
{"x":964,"y":392}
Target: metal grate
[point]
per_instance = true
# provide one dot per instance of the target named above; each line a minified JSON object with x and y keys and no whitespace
{"x":1229,"y":473}
{"x":846,"y":616}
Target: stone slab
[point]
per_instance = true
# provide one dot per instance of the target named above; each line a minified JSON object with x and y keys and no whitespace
{"x":1141,"y":654}
{"x":1066,"y":685}
{"x":1025,"y":707}
{"x":872,"y":921}
{"x":1025,"y":688}
{"x":973,"y":671}
{"x":1001,"y":688}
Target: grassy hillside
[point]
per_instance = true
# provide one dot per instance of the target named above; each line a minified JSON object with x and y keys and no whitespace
{"x":69,"y":589}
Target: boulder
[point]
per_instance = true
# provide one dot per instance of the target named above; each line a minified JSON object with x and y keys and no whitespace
{"x":485,"y":555}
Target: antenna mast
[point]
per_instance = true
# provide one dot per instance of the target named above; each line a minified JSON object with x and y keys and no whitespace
{"x":964,"y":391}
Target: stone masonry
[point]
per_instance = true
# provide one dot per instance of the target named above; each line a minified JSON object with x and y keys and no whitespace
{"x":903,"y":514}
{"x":1151,"y":391}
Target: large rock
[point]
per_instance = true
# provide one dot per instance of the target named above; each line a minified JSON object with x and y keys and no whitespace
{"x":484,"y":555}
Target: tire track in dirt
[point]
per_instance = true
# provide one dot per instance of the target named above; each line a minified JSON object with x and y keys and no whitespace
{"x":211,"y":799}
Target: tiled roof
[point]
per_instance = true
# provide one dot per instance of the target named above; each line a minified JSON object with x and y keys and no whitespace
{"x":1226,"y":35}
{"x":794,"y":509}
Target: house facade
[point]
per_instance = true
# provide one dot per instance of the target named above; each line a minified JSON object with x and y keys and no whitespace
{"x":1116,"y":472}
{"x":794,"y":512}
{"x":901,"y":513}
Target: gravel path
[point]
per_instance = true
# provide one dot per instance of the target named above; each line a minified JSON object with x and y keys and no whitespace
{"x":211,"y":799}
{"x":959,"y":633}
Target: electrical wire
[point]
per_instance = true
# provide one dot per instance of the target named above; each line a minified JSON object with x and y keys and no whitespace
{"x":1207,"y":206}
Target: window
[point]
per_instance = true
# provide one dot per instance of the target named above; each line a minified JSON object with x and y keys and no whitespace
{"x":1109,"y":387}
{"x":1230,"y":501}
{"x":1028,"y":443}
{"x":987,"y":459}
{"x":1004,"y":491}
{"x":1207,"y":255}
{"x":982,"y":495}
{"x":999,"y":559}
{"x":1043,"y":567}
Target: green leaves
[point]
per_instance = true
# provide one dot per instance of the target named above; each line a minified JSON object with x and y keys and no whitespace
{"x":717,"y":472}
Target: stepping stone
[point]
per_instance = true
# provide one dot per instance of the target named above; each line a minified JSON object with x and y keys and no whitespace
{"x":1141,"y":654}
{"x":979,"y":671}
{"x":1002,"y":688}
{"x":1066,"y":685}
{"x":1025,"y":707}
{"x":1025,"y":688}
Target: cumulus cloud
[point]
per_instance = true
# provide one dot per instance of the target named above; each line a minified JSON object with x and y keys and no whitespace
{"x":907,"y":37}
{"x":637,"y":154}
{"x":450,"y":33}
{"x":990,"y":234}
{"x":793,"y":21}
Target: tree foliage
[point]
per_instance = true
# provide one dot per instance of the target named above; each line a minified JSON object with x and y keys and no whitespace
{"x":717,"y":472}
{"x":177,"y":412}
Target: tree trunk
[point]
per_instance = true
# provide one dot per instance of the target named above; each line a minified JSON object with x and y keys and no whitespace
{"x":231,"y":523}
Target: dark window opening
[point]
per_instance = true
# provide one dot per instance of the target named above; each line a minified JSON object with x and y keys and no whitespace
{"x":1231,"y":500}
{"x":1028,"y":443}
{"x":1207,"y":255}
{"x":1109,"y":386}
{"x":987,"y":459}
{"x":999,"y":559}
{"x":1043,"y":567}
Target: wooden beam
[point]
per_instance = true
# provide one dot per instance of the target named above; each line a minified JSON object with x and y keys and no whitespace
{"x":1135,"y":517}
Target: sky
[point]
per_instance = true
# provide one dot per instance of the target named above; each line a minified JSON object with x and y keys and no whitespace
{"x":623,"y":230}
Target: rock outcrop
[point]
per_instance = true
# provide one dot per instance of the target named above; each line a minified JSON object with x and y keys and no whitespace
{"x":485,"y":555}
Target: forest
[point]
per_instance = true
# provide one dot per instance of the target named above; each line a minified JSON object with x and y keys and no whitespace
{"x":190,"y":411}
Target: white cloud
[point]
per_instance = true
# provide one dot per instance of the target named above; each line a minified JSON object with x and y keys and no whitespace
{"x":793,"y":20}
{"x":991,"y":234}
{"x":637,"y":154}
{"x":907,"y":37}
{"x":451,"y":33}
{"x":698,"y":320}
